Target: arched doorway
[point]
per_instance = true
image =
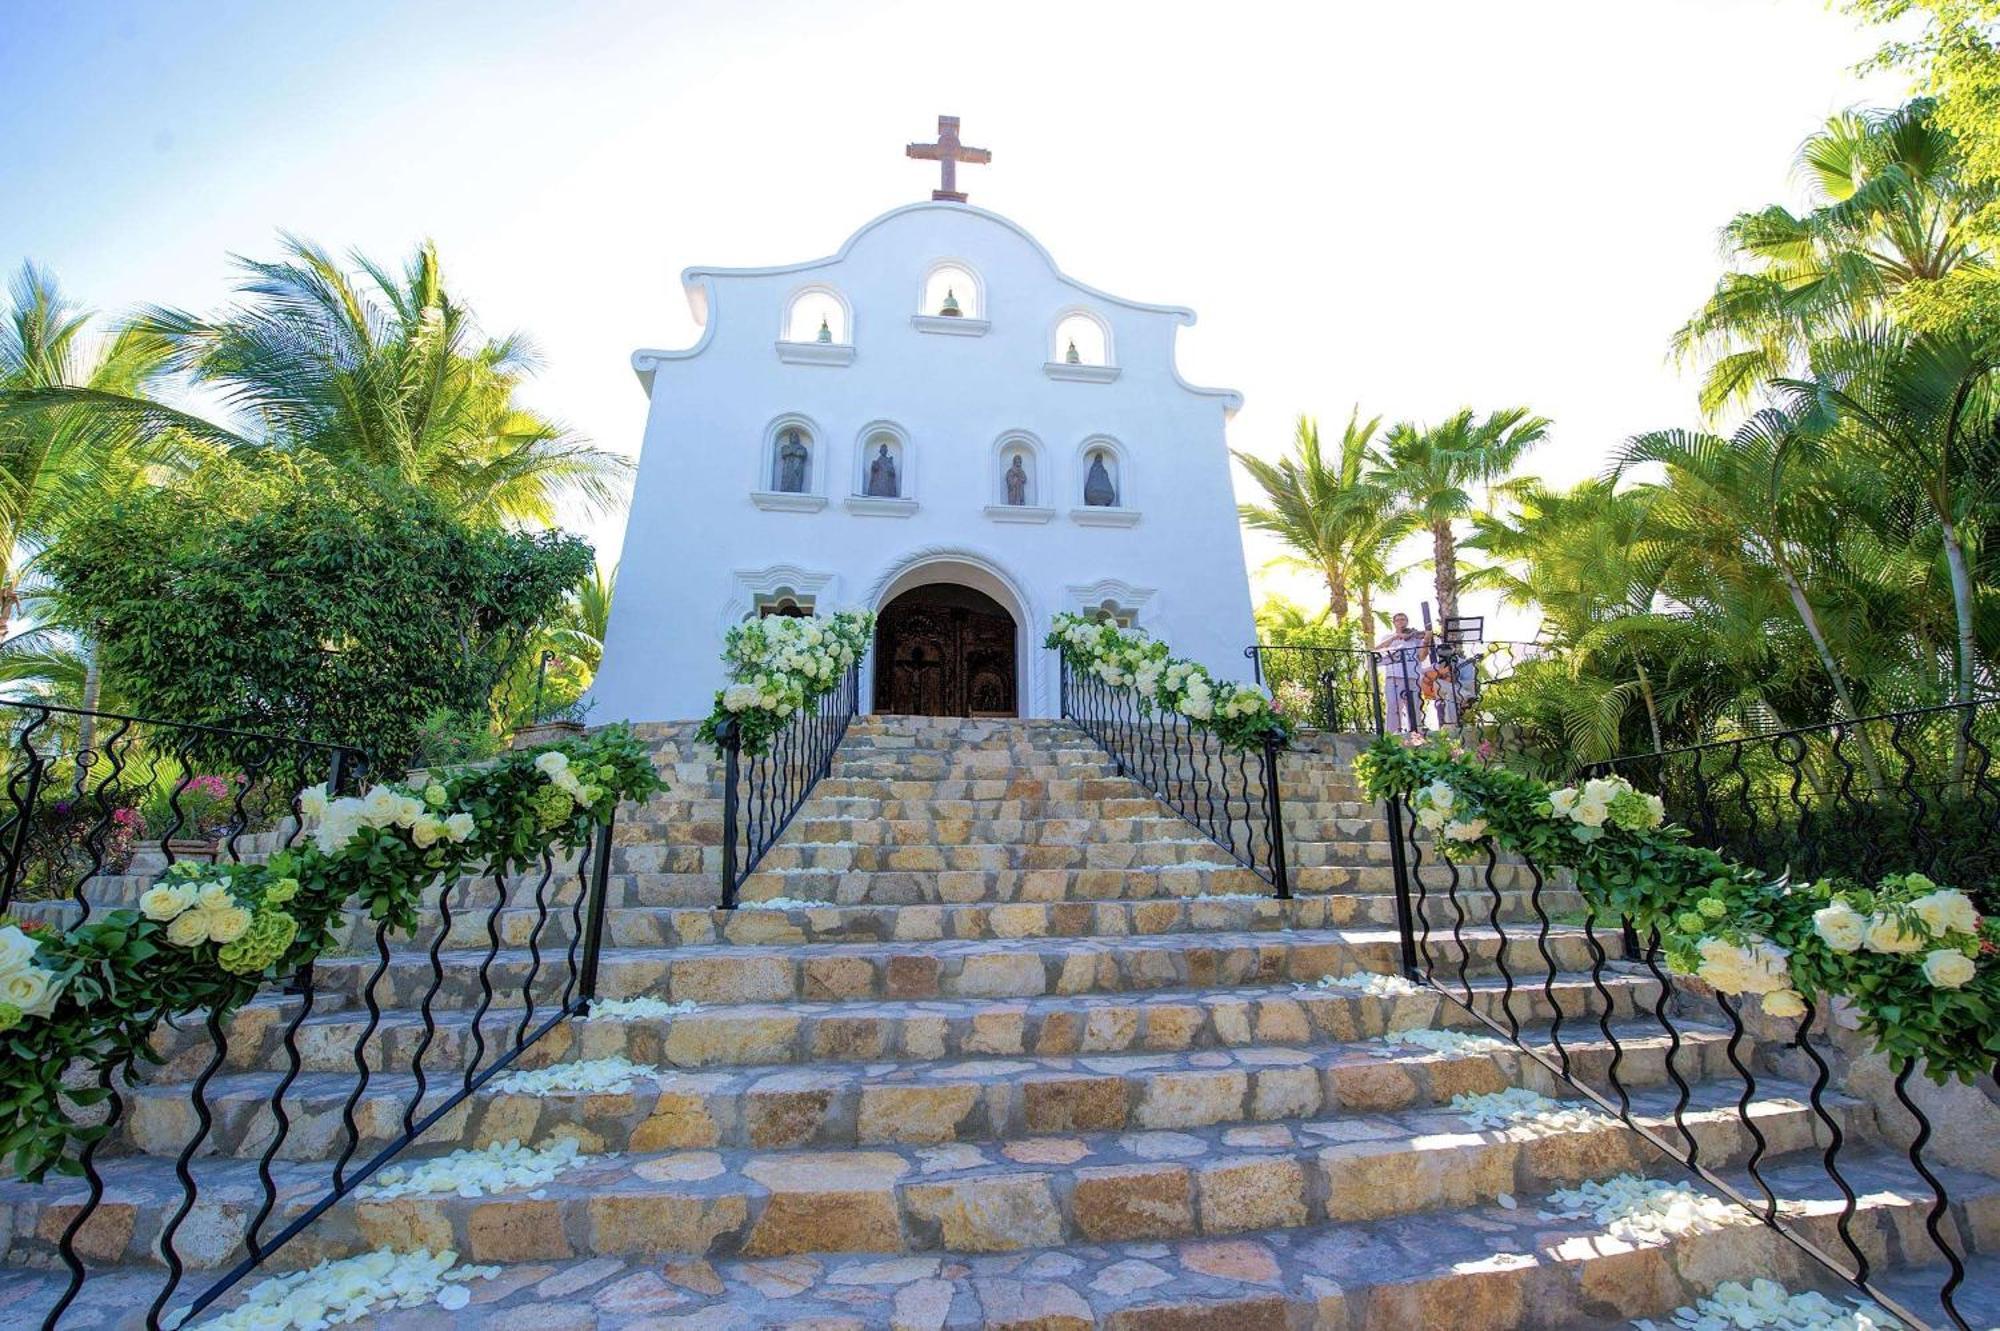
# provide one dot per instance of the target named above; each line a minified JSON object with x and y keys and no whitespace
{"x":943,"y":649}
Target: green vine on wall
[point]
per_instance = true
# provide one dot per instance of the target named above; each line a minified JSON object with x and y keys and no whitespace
{"x":1914,"y":959}
{"x":206,"y":938}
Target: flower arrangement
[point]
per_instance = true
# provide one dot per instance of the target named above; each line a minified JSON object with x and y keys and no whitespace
{"x":778,"y":666}
{"x":1913,"y":957}
{"x":1240,"y":715}
{"x":207,"y":937}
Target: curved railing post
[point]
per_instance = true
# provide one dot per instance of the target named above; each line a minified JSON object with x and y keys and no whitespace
{"x":731,"y":739}
{"x":1274,"y":815}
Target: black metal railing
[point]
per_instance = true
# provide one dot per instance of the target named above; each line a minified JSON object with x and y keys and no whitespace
{"x":355,"y":1084}
{"x":1517,"y":947}
{"x":762,"y":791}
{"x":1902,"y":792}
{"x":1404,"y":688}
{"x":1230,"y":795}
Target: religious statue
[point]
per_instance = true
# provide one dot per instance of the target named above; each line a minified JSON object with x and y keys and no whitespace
{"x":950,"y":308}
{"x":791,"y":469}
{"x":1017,"y":483}
{"x":882,"y":475}
{"x":1072,"y":356}
{"x":1098,"y":492}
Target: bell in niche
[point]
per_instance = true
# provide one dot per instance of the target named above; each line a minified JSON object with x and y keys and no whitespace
{"x":825,"y":332}
{"x":950,"y":308}
{"x":1070,"y":357}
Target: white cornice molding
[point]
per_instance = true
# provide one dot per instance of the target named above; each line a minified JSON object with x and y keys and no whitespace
{"x":1019,"y":513}
{"x":878,"y":506}
{"x":785,"y":501}
{"x":1082,"y":374}
{"x":816,"y":353}
{"x":1088,"y":516}
{"x":955,"y":324}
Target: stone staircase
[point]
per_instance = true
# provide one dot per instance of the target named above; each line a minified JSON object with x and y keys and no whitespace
{"x":1044,"y":1057}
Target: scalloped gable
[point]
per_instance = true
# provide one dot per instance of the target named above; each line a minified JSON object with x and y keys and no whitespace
{"x":701,"y":285}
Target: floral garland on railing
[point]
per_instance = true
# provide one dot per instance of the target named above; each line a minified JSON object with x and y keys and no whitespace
{"x":206,"y":937}
{"x":778,"y":666}
{"x":1241,"y":715}
{"x":1914,"y":959}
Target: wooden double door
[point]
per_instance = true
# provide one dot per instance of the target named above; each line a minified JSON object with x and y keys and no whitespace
{"x":945,"y":650}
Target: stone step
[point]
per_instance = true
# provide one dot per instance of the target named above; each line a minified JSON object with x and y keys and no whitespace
{"x":925,"y":1103}
{"x":972,"y":968}
{"x":1032,"y":1192}
{"x":742,"y":1035}
{"x":804,"y":852}
{"x":1220,"y":876}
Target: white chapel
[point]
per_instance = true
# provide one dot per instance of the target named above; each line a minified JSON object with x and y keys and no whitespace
{"x":937,"y":424}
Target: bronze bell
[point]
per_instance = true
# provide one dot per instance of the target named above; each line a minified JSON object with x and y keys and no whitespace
{"x":1070,"y":357}
{"x":825,"y":332}
{"x":950,"y":308}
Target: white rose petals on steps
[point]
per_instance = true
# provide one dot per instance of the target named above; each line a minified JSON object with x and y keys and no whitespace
{"x":597,"y":1076}
{"x":1766,"y":1305}
{"x":503,"y":1167}
{"x":1635,"y":1208}
{"x":643,"y":1009}
{"x":337,"y":1292}
{"x":1373,"y":983}
{"x":1519,"y":1108}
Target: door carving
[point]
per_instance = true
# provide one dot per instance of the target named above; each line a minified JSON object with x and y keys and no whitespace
{"x":945,"y":651}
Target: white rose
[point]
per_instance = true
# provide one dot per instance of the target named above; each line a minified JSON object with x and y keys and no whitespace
{"x":1562,"y":801}
{"x":16,"y":949}
{"x":424,"y":832}
{"x":380,"y":806}
{"x":312,"y":801}
{"x":1886,"y":933}
{"x":226,"y":925}
{"x":28,"y":990}
{"x":1441,"y":795}
{"x":408,"y":809}
{"x":189,"y":929}
{"x":555,"y":760}
{"x":340,"y":827}
{"x":1656,"y":810}
{"x":1589,"y":812}
{"x":459,"y":827}
{"x":1467,"y":829}
{"x":163,"y":901}
{"x":739,"y":697}
{"x":1840,"y":926}
{"x":214,"y":896}
{"x":1784,"y":1003}
{"x":1946,"y":911}
{"x":1430,"y":819}
{"x":1948,"y":968}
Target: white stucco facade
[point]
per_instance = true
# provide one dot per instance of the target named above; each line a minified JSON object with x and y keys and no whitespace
{"x":712,"y":536}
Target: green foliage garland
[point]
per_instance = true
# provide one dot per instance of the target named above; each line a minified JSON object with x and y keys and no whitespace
{"x":208,"y":937}
{"x":1915,"y":959}
{"x":1241,"y":715}
{"x":777,"y":667}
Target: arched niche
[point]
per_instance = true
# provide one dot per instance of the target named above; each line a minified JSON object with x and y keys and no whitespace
{"x":883,"y":450}
{"x":791,"y":466}
{"x":951,"y":283}
{"x":1081,"y":338}
{"x":818,"y":314}
{"x":1102,"y":461}
{"x":1019,"y":461}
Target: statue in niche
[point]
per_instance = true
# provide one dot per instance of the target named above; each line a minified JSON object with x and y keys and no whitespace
{"x":791,"y":469}
{"x":1017,"y":483}
{"x":882,"y":482}
{"x":1098,"y":492}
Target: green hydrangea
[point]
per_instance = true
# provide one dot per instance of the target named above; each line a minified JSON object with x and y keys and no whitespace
{"x":1690,"y":922}
{"x":1712,"y":908}
{"x":278,"y":893}
{"x":270,"y":933}
{"x":10,"y":1017}
{"x":435,"y":795}
{"x":552,"y":805}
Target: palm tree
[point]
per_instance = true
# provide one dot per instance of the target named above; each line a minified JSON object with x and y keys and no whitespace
{"x":1888,"y":208}
{"x":1434,"y":470}
{"x":1927,"y":406}
{"x":1325,"y":510}
{"x":387,"y":371}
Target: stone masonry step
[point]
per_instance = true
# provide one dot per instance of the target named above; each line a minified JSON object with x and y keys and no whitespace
{"x":1489,"y":1267}
{"x":973,"y":968}
{"x":755,"y":1034}
{"x":963,"y":1197}
{"x":926,"y":1103}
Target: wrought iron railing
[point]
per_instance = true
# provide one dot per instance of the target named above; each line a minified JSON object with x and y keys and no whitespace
{"x":95,"y":806}
{"x":1230,"y":795}
{"x":1594,"y":1004}
{"x":762,"y":791}
{"x":1405,"y":688}
{"x":1911,"y":791}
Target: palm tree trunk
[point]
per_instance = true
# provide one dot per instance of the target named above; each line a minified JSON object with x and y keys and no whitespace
{"x":1869,"y":760}
{"x":1961,"y":604}
{"x":1652,"y":707}
{"x":1444,"y":553}
{"x":1367,"y":614}
{"x":86,"y":724}
{"x":1336,"y":592}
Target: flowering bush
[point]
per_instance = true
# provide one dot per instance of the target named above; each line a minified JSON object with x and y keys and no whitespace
{"x":1240,"y":715}
{"x":67,"y":837}
{"x":780,"y":665}
{"x":1915,"y":959}
{"x":207,"y":937}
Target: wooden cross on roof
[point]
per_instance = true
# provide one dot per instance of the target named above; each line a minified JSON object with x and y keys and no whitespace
{"x":948,"y":152}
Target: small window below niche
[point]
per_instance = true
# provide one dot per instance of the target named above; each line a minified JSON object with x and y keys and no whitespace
{"x":1082,"y":349}
{"x":1114,"y":614}
{"x":818,"y":329}
{"x":953,"y":300}
{"x":785,"y":603}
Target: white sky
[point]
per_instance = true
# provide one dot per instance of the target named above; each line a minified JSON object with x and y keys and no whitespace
{"x":1412,"y":206}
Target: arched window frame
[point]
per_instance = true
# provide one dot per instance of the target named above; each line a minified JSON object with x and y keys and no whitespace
{"x":809,"y":352}
{"x":907,"y":471}
{"x":1058,"y":368}
{"x":1040,"y":481}
{"x":1126,"y":513}
{"x":764,"y":494}
{"x":976,"y":319}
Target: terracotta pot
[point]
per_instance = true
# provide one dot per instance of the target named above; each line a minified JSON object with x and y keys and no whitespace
{"x":545,"y":732}
{"x":200,"y":850}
